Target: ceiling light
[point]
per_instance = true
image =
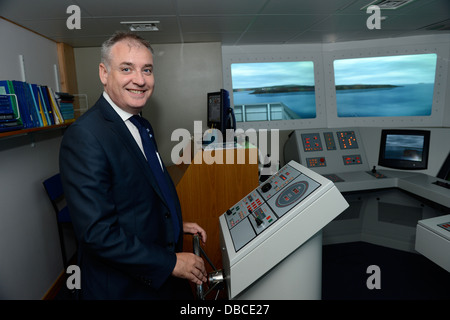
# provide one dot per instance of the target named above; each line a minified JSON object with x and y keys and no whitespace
{"x":142,"y":25}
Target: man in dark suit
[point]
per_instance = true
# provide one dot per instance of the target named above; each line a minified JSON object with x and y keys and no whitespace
{"x":129,"y":232}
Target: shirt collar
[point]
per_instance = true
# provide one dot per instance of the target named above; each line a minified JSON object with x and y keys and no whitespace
{"x":122,"y":113}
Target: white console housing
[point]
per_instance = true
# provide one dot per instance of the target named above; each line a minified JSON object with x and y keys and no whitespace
{"x":433,"y":240}
{"x":272,"y":222}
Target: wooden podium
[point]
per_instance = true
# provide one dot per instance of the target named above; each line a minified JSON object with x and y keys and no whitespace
{"x":208,"y":188}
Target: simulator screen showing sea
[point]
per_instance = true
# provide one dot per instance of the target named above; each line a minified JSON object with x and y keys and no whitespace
{"x":393,"y":86}
{"x":258,"y":87}
{"x":404,"y":147}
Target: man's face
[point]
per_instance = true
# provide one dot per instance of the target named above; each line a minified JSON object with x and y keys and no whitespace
{"x":129,"y":81}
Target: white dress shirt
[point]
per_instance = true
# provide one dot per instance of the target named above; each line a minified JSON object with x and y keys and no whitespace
{"x":125,"y":116}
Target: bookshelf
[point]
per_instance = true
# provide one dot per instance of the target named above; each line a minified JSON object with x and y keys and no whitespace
{"x":68,"y":83}
{"x":13,"y":133}
{"x":27,"y":108}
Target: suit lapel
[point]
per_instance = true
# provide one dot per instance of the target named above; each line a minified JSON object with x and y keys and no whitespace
{"x":117,"y":125}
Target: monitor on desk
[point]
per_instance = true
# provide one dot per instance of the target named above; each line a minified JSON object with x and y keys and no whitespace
{"x":215,"y":109}
{"x":220,"y":113}
{"x":404,"y":149}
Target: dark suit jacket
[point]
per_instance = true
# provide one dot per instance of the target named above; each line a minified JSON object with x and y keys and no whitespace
{"x":121,"y":221}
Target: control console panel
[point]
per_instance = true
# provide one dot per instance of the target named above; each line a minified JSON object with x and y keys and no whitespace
{"x":274,"y":219}
{"x":266,"y":204}
{"x":327,"y":151}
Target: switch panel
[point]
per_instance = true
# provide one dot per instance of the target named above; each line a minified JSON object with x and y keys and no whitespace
{"x":316,"y":162}
{"x":311,"y":142}
{"x":327,"y":150}
{"x":347,"y":140}
{"x":329,"y":140}
{"x":352,"y":159}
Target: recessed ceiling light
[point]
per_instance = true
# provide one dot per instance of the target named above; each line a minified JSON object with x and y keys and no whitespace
{"x":142,"y":25}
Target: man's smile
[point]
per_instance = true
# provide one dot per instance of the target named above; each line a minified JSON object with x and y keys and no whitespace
{"x":136,"y":91}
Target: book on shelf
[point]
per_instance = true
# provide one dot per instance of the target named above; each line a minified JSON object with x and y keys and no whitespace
{"x":24,"y":105}
{"x":8,"y":119}
{"x":66,"y":104}
{"x":9,"y":115}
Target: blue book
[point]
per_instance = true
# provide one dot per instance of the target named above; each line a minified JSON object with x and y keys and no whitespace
{"x":6,"y":109}
{"x":5,"y":104}
{"x":8,"y":103}
{"x":48,"y":105}
{"x":44,"y":106}
{"x":35,"y":97}
{"x":30,"y":104}
{"x":23,"y":105}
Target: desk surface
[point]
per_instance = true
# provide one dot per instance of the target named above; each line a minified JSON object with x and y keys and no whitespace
{"x":416,"y":183}
{"x":432,"y":224}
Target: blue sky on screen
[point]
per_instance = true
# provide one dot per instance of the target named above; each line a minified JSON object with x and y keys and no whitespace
{"x":395,"y":70}
{"x":265,"y":74}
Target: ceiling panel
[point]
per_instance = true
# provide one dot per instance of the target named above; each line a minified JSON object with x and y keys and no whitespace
{"x":127,"y":8}
{"x":215,"y":24}
{"x":232,"y":22}
{"x":306,"y":6}
{"x":266,"y":38}
{"x":341,"y":22}
{"x":219,"y":7}
{"x":285,"y":23}
{"x":211,"y":37}
{"x":19,"y":10}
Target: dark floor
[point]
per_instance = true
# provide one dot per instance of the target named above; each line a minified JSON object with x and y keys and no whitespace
{"x":403,"y":275}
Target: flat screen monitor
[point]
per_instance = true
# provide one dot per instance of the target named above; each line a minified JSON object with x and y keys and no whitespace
{"x":218,"y":109}
{"x":404,"y":149}
{"x":215,"y":105}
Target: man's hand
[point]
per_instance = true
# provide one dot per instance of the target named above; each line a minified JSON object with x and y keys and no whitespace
{"x":193,"y":228}
{"x":191,"y":267}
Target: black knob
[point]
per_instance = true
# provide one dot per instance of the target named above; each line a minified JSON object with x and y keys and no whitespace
{"x":266,"y":187}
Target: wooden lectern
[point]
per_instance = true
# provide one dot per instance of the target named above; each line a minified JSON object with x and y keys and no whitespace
{"x":213,"y":182}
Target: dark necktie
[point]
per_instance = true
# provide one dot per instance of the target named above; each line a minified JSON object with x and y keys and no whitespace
{"x":144,"y":128}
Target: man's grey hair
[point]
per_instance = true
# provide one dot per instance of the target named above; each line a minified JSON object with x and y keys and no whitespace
{"x":132,"y":38}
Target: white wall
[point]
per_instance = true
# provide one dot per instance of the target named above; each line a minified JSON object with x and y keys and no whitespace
{"x":39,"y":54}
{"x":86,"y":62}
{"x":29,"y":245}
